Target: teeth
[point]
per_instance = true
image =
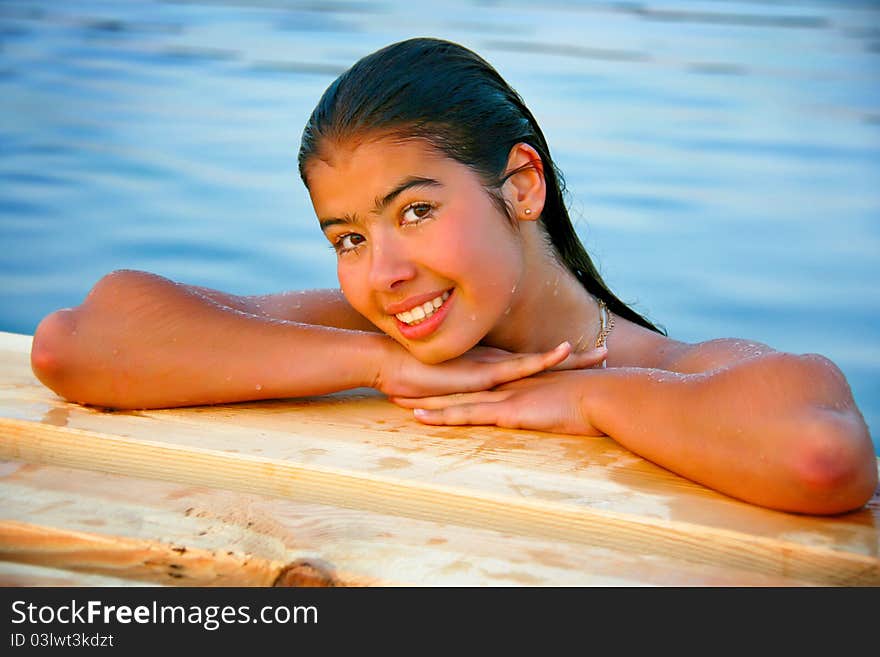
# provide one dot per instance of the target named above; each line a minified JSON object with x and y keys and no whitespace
{"x":421,"y":313}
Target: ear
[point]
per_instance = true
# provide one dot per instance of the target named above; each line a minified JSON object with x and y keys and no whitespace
{"x":526,"y":189}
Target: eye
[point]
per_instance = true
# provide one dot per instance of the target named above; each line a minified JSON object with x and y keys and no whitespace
{"x":348,"y":242}
{"x":416,"y":212}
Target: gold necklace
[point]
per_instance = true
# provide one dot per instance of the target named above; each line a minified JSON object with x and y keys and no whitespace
{"x":606,"y":323}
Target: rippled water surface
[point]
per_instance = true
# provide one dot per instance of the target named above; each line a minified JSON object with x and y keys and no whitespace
{"x":723,"y":158}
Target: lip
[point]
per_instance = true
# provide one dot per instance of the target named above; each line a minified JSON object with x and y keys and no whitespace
{"x":426,"y":327}
{"x":412,"y":302}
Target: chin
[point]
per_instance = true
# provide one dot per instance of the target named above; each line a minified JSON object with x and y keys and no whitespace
{"x":432,"y":354}
{"x":438,"y":348}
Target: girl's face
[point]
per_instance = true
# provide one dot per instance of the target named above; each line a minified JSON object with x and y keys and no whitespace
{"x":423,"y":252}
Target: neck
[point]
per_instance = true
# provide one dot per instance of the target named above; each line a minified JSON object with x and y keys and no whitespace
{"x":549,"y":306}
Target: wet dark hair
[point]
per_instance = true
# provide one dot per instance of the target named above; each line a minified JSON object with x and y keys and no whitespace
{"x":449,"y":96}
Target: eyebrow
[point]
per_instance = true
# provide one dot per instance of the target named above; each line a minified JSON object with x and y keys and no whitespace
{"x":380,"y":203}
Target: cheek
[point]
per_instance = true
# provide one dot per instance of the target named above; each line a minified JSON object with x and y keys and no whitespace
{"x":353,"y":286}
{"x":487,"y":257}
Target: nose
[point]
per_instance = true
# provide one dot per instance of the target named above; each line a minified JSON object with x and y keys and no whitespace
{"x":390,"y":264}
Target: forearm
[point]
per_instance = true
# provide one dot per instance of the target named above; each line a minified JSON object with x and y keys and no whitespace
{"x":156,"y":344}
{"x":751,"y":430}
{"x":241,"y":359}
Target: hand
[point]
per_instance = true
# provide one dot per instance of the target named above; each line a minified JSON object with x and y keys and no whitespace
{"x":552,"y":401}
{"x":482,"y":368}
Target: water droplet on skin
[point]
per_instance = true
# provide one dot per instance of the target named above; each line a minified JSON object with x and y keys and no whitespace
{"x":258,"y":387}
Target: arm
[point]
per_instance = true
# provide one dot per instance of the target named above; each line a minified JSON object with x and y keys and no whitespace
{"x":140,"y":340}
{"x":319,"y":307}
{"x":770,"y":428}
{"x":143,"y":341}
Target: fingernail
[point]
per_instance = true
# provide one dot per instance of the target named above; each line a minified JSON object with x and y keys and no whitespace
{"x":420,"y":412}
{"x":561,"y":345}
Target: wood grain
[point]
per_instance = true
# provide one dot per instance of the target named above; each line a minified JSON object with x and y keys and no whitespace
{"x":130,"y":558}
{"x":355,"y":547}
{"x":63,"y":446}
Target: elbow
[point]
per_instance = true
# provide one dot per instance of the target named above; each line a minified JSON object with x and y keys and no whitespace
{"x":68,"y":356}
{"x":835,"y":469}
{"x":52,"y":349}
{"x":90,"y":354}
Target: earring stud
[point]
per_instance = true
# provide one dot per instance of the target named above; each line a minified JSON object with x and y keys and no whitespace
{"x":527,"y":211}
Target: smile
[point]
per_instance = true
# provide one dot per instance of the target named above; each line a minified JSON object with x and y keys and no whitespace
{"x":420,"y":313}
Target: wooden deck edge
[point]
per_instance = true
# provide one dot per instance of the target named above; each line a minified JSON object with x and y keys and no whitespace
{"x":153,"y":561}
{"x":131,"y":558}
{"x":40,"y":443}
{"x":20,"y":342}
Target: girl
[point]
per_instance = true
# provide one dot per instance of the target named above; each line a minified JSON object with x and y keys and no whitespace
{"x":466,"y":296}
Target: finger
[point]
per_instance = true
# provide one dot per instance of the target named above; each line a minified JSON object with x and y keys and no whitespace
{"x":495,"y":355}
{"x":442,"y":401}
{"x":477,"y":414}
{"x":490,"y":354}
{"x":583,"y":359}
{"x":527,"y":364}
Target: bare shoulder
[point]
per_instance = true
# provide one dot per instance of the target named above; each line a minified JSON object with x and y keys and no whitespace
{"x":325,"y":307}
{"x":688,"y":358}
{"x":631,"y":345}
{"x":322,"y":307}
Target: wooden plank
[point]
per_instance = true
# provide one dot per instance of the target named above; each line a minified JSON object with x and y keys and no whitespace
{"x":63,"y":446}
{"x":24,"y":574}
{"x":115,"y":517}
{"x":358,"y":451}
{"x":135,"y":559}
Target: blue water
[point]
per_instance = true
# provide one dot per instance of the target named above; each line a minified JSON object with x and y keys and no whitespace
{"x":723,"y":158}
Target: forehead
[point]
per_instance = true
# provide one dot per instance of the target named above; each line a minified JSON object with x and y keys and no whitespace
{"x":349,"y":174}
{"x":337,"y":154}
